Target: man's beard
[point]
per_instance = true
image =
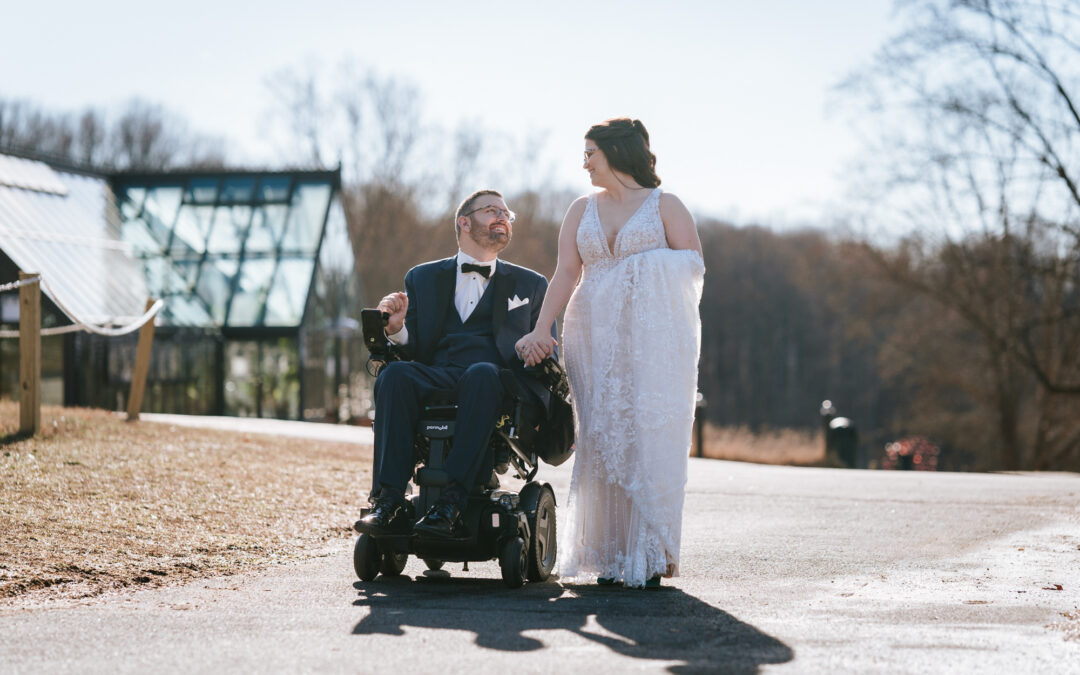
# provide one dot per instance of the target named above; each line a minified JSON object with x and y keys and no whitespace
{"x":487,"y":240}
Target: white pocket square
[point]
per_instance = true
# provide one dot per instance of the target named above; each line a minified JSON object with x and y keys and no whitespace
{"x":515,"y":302}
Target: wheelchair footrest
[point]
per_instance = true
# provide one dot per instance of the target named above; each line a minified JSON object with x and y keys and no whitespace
{"x":421,"y":538}
{"x":395,"y":543}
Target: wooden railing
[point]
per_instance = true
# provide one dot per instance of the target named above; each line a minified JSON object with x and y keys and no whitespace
{"x":30,"y":357}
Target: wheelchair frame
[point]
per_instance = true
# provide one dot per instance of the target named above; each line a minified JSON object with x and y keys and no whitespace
{"x":519,"y":529}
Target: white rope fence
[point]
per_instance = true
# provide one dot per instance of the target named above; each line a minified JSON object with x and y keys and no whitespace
{"x":30,"y":334}
{"x":78,"y":325}
{"x":21,"y":282}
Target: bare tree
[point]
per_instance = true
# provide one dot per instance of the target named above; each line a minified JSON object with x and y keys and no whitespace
{"x":367,"y":122}
{"x":979,"y":158}
{"x":299,"y":106}
{"x":468,"y":145}
{"x":396,"y":117}
{"x":90,"y":139}
{"x":141,"y":139}
{"x":27,"y":127}
{"x":402,"y":176}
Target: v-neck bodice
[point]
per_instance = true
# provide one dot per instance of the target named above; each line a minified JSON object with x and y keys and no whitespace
{"x":642,"y":232}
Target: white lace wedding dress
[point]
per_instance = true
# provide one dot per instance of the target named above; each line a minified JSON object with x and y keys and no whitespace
{"x":631,"y":339}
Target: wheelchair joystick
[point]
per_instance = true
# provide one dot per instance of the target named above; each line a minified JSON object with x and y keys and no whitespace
{"x":381,"y":350}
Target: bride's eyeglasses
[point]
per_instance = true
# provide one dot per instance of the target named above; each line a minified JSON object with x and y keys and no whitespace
{"x":494,"y":212}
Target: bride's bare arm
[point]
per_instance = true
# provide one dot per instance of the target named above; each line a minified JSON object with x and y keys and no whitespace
{"x":567,"y":269}
{"x":539,"y":343}
{"x":678,"y":224}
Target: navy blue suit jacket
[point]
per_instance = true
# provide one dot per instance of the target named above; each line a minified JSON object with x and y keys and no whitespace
{"x":430,"y":287}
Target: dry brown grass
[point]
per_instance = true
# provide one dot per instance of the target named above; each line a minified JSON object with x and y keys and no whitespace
{"x":95,"y":503}
{"x":781,"y":446}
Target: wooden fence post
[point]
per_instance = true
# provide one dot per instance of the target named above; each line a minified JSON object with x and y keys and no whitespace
{"x":142,"y":366}
{"x":29,"y":356}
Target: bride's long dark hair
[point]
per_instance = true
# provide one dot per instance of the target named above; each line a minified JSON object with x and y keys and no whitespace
{"x":625,"y":144}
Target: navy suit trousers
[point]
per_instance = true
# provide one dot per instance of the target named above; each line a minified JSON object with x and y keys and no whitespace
{"x":399,"y":394}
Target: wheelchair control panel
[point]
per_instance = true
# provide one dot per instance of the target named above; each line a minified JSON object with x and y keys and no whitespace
{"x":381,"y":350}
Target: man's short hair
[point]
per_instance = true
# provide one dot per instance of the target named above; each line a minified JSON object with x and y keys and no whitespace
{"x":466,"y":206}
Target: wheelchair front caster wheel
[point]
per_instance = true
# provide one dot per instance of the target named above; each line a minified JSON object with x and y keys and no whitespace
{"x":393,"y":564}
{"x":366,"y":558}
{"x":512,"y":560}
{"x":433,"y":564}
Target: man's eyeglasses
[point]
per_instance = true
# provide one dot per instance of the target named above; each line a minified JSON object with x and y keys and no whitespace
{"x":589,"y":153}
{"x":494,"y":212}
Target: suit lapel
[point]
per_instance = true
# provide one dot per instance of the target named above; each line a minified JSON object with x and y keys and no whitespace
{"x":504,"y":284}
{"x":445,"y":283}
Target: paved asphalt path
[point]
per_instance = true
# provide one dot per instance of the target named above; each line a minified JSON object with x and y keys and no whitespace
{"x":784,"y":570}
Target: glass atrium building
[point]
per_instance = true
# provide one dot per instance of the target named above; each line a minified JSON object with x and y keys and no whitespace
{"x":260,"y":292}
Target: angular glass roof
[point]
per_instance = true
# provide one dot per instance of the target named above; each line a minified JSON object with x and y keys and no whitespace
{"x":228,"y":249}
{"x":64,"y":225}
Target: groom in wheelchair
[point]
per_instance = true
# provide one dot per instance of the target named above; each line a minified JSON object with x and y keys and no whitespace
{"x":446,"y":360}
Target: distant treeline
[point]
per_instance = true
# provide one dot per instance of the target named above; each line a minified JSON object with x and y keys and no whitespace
{"x":140,"y":136}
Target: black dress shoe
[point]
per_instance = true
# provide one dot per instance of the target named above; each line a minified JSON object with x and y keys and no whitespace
{"x":442,"y":520}
{"x":387,"y":516}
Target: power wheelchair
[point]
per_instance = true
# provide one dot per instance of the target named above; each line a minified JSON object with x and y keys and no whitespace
{"x":517,"y":528}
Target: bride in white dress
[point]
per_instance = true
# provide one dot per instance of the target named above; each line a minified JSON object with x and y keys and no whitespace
{"x":630,"y":275}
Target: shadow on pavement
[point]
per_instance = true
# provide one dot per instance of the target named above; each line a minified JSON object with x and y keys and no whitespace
{"x":665,"y":625}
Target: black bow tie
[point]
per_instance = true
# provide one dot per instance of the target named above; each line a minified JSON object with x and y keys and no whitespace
{"x":482,"y":270}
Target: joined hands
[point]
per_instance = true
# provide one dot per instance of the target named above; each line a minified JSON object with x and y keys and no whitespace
{"x":535,"y":347}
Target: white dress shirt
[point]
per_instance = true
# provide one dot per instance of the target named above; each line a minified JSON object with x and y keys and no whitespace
{"x":468,"y":290}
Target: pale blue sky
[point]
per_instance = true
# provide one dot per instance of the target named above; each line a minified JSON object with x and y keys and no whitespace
{"x":735,"y":94}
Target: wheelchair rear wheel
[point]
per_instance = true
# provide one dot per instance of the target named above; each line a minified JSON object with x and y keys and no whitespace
{"x":542,"y":548}
{"x":512,"y":561}
{"x":366,"y":558}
